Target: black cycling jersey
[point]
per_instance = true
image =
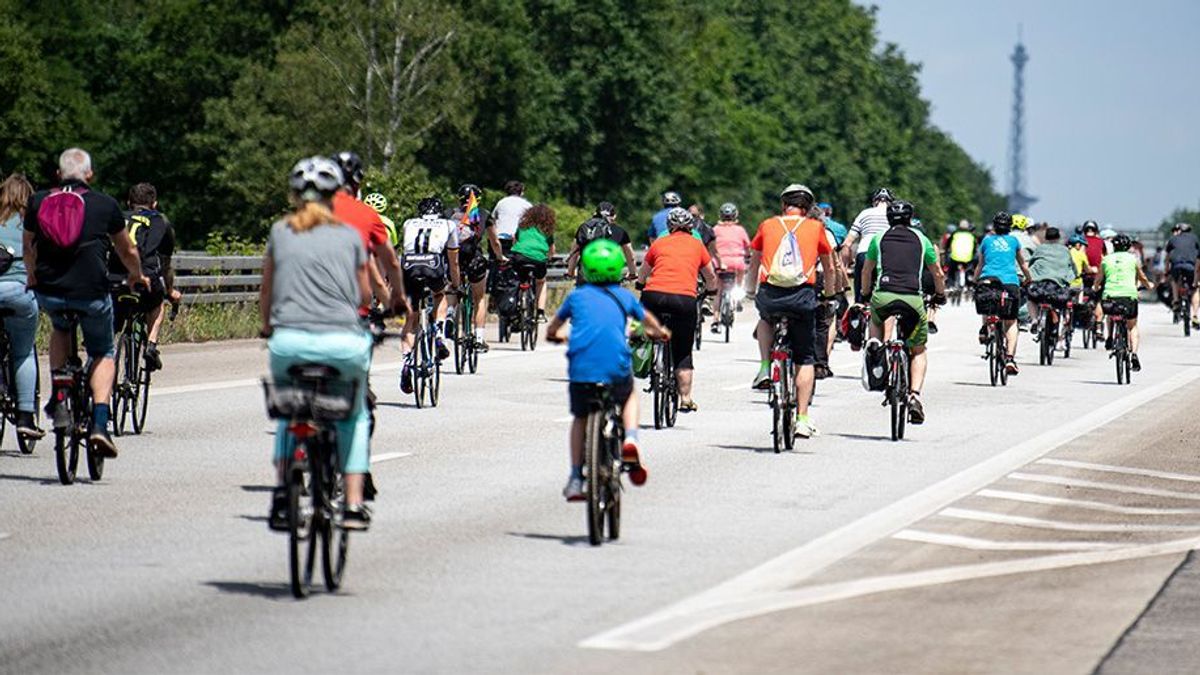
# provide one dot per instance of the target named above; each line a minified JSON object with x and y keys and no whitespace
{"x":1183,"y":249}
{"x":155,"y":239}
{"x":900,"y":255}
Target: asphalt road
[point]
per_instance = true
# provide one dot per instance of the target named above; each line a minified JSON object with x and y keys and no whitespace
{"x":1022,"y":529}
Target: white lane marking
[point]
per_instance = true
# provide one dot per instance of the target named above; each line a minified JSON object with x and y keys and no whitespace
{"x":1047,"y":500}
{"x":685,"y":618}
{"x":1041,"y":523}
{"x":742,"y":387}
{"x":386,"y":456}
{"x":568,"y":418}
{"x":975,"y":544}
{"x":206,"y":386}
{"x":1100,"y":485}
{"x":1127,"y":470}
{"x":767,"y":603}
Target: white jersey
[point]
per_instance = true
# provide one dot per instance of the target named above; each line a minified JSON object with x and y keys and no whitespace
{"x":870,"y":222}
{"x":507,"y":215}
{"x":428,"y":237}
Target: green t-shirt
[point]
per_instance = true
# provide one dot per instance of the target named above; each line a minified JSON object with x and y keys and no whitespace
{"x":1120,"y":275}
{"x":532,"y":244}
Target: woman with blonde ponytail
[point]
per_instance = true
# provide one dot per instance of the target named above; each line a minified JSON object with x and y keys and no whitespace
{"x":314,"y":283}
{"x":22,"y":325}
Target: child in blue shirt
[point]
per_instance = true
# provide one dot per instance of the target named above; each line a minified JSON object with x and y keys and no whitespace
{"x":598,"y":352}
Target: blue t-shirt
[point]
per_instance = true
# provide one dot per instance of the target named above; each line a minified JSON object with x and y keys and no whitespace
{"x":837,"y":229}
{"x":999,"y":253}
{"x":658,"y":225}
{"x":598,"y":350}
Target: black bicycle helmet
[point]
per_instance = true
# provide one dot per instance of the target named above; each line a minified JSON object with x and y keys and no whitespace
{"x":352,"y":168}
{"x":1002,"y":223}
{"x":466,"y":190}
{"x":1121,"y":242}
{"x":882,"y":195}
{"x":606,"y":210}
{"x":1091,"y":226}
{"x":429,"y":206}
{"x":900,"y":213}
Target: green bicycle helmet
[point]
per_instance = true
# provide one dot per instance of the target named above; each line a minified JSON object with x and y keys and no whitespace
{"x":603,"y":262}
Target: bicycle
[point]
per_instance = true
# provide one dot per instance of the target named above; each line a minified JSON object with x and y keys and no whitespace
{"x":728,"y":302}
{"x":1183,"y":305}
{"x":466,"y":346}
{"x":1068,"y":327}
{"x":311,"y":404}
{"x":131,"y":381}
{"x":8,"y":394}
{"x":898,"y":387}
{"x":71,"y":412}
{"x":604,"y":436}
{"x":1047,"y":334}
{"x":782,"y":394}
{"x":663,"y":382}
{"x":1119,"y":351}
{"x":1085,"y":320}
{"x":426,"y":367}
{"x":527,"y":312}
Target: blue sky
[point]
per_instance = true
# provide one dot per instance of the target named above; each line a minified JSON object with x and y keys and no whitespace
{"x":1112,"y":97}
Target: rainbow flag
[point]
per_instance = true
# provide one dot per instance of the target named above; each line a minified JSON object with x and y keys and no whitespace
{"x":471,"y":213}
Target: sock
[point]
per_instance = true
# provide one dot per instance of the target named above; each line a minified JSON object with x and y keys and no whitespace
{"x":479,"y":333}
{"x":100,"y":416}
{"x":577,"y":471}
{"x":631,"y":435}
{"x":765,"y":363}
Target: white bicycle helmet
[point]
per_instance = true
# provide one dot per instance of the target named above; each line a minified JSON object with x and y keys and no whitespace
{"x":315,"y":178}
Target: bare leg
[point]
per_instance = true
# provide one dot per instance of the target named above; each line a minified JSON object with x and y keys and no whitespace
{"x":1010,"y":333}
{"x":917,"y":368}
{"x":409,"y":337}
{"x":541,"y":295}
{"x":805,"y":378}
{"x":155,"y":319}
{"x":766,"y":337}
{"x":1134,"y":338}
{"x":102,"y":379}
{"x":479,"y":296}
{"x":354,"y":488}
{"x":60,"y":346}
{"x":578,"y":427}
{"x":630,"y":415}
{"x":684,"y":378}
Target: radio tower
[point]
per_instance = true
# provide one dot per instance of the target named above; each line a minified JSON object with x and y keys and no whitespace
{"x":1018,"y":200}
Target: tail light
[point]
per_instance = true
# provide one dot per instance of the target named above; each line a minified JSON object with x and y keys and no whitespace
{"x":302,"y":430}
{"x":300,"y":454}
{"x":774,"y":373}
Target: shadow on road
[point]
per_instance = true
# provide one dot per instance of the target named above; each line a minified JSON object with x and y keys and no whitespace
{"x":747,"y":448}
{"x":33,"y":479}
{"x":396,"y":404}
{"x":1109,"y":382}
{"x":864,"y":437}
{"x":257,"y":519}
{"x":258,"y":488}
{"x":975,"y":384}
{"x":564,"y":539}
{"x":273,"y":590}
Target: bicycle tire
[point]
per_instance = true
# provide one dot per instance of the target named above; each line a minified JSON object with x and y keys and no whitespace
{"x":656,"y":389}
{"x":1051,"y":346}
{"x":1120,"y":362}
{"x":141,"y":403}
{"x":333,"y":560}
{"x":120,"y":406}
{"x":894,"y":397}
{"x":777,"y":426}
{"x":593,"y":447}
{"x":473,"y":356}
{"x":435,"y":383}
{"x":95,"y":461}
{"x":460,"y":347}
{"x":298,"y":532}
{"x":903,"y":389}
{"x":1186,"y":310}
{"x":419,"y":370}
{"x":791,"y":404}
{"x":66,"y":454}
{"x":993,"y":373}
{"x":1002,"y":353}
{"x":672,"y":386}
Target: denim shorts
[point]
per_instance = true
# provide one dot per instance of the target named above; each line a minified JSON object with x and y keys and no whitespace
{"x":95,"y":321}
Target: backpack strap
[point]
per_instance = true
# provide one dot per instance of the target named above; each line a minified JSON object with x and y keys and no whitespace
{"x":792,"y":232}
{"x":607,"y":291}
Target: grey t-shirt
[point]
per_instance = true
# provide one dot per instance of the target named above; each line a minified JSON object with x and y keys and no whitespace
{"x":315,"y":284}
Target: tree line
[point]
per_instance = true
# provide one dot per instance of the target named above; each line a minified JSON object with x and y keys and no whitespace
{"x":583,"y":100}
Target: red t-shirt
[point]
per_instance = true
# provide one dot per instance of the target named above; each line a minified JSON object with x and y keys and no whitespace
{"x":1095,"y":250}
{"x":675,"y":262}
{"x":361,"y":217}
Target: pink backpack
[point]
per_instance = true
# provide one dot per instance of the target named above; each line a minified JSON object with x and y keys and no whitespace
{"x":61,"y":215}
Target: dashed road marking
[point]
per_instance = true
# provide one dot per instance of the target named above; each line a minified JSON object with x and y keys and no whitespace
{"x":1047,"y":500}
{"x":1101,"y":485}
{"x":1129,"y":471}
{"x":386,"y":456}
{"x":1041,"y":523}
{"x":976,"y":544}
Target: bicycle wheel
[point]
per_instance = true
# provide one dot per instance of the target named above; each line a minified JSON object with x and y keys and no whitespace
{"x":791,"y":405}
{"x":894,"y":396}
{"x":672,"y":387}
{"x":120,"y":406}
{"x":1068,"y":334}
{"x":300,"y":526}
{"x":473,"y":355}
{"x":141,"y":400}
{"x":593,"y":448}
{"x":95,"y":459}
{"x":658,"y":387}
{"x":778,"y":428}
{"x":993,"y":372}
{"x":335,"y":541}
{"x":418,"y":371}
{"x":1051,"y":346}
{"x":435,"y":383}
{"x":1186,"y":310}
{"x":1119,"y":358}
{"x":66,"y":449}
{"x":1002,"y":354}
{"x":460,"y":346}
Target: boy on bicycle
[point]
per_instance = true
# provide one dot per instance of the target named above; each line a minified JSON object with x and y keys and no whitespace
{"x":599,"y":312}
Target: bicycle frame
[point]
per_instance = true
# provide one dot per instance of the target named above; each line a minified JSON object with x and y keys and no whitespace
{"x":783,"y":398}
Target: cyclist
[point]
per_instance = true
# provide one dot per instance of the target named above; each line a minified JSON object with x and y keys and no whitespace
{"x":1001,"y":262}
{"x":314,"y":283}
{"x":960,"y":253}
{"x":668,"y":284}
{"x":70,"y":276}
{"x":22,"y":325}
{"x":733,"y":245}
{"x":599,"y":312}
{"x":903,"y":255}
{"x":533,"y":248}
{"x":1183,"y":250}
{"x":507,"y":217}
{"x":1118,"y":281}
{"x":783,"y":268}
{"x":835,"y":228}
{"x":473,"y":223}
{"x":155,"y":238}
{"x":602,"y":225}
{"x":430,"y":253}
{"x":384,"y":266}
{"x":379,"y":202}
{"x":1052,"y":271}
{"x":869,"y":222}
{"x":658,"y":222}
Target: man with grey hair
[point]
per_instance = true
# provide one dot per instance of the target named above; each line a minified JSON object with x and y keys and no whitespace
{"x":67,"y":234}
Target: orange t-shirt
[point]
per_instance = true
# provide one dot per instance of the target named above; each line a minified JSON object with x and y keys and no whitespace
{"x":810,"y":235}
{"x":362,"y":218}
{"x":675,"y":262}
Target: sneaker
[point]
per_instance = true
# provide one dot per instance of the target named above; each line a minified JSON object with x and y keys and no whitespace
{"x":277,"y":519}
{"x":1134,"y":364}
{"x":688,"y":406}
{"x":916,"y":412}
{"x":406,"y":379}
{"x":821,"y":371}
{"x":984,"y":335}
{"x":355,"y":517}
{"x":27,"y":428}
{"x":573,"y":492}
{"x":443,"y":352}
{"x":706,"y":308}
{"x":763,"y":379}
{"x":633,"y":461}
{"x":541,"y":316}
{"x":1196,"y":324}
{"x":369,"y":490}
{"x":805,"y":427}
{"x":1010,"y":366}
{"x":481,"y":346}
{"x":933,"y":329}
{"x":716,"y":327}
{"x":103,"y":443}
{"x":153,"y":358}
{"x":1108,"y":344}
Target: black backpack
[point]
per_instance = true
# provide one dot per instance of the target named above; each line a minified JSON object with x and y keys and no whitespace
{"x":593,"y":229}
